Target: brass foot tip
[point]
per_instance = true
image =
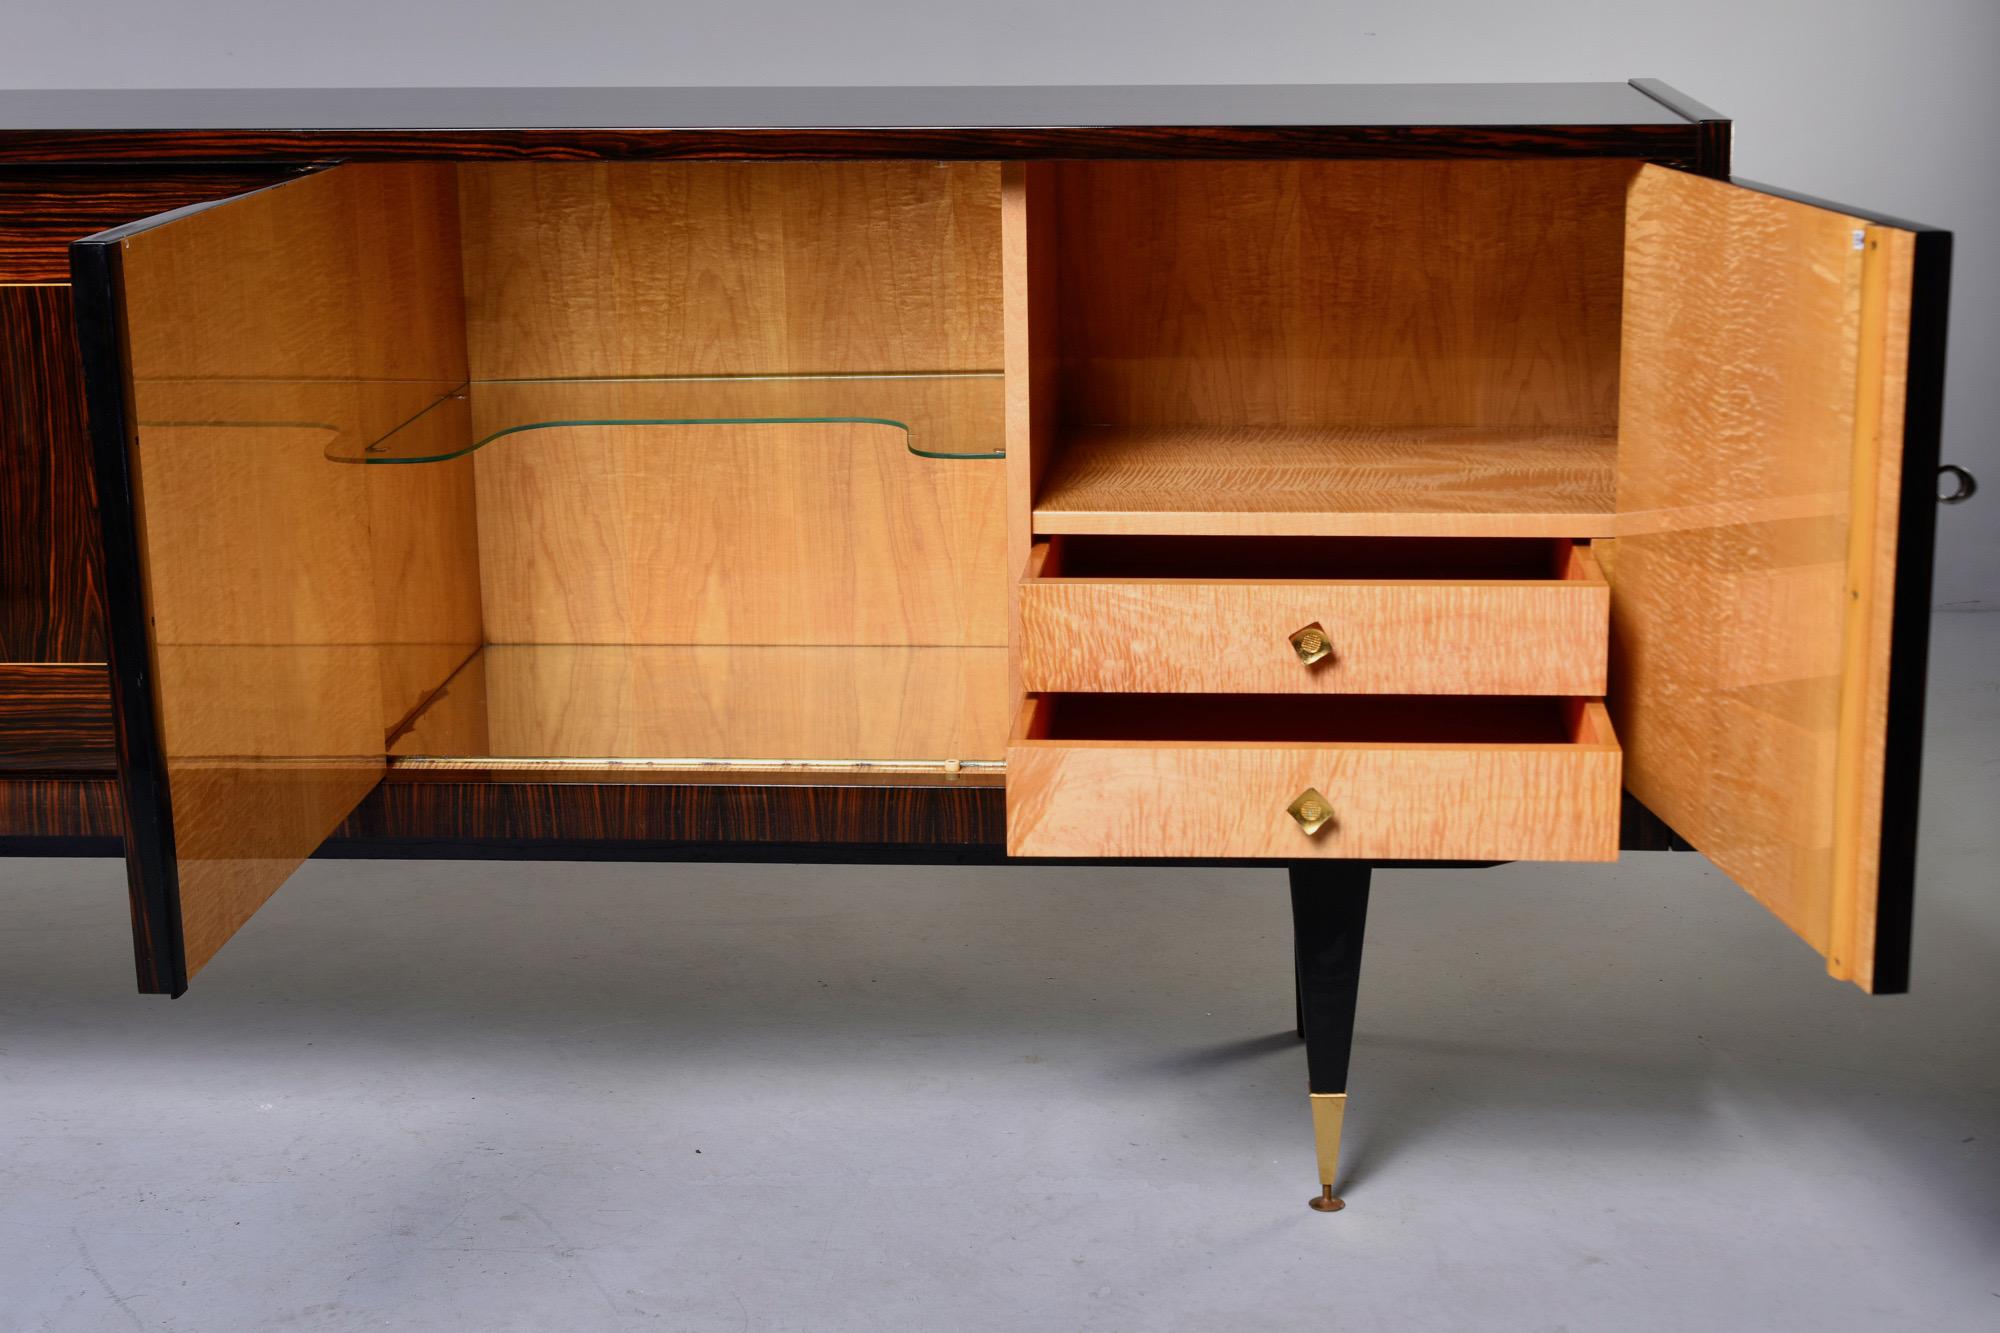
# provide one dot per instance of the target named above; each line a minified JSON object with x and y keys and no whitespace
{"x":1324,"y":1202}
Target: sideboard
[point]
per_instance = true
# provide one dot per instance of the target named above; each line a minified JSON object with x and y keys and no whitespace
{"x":1325,"y":478}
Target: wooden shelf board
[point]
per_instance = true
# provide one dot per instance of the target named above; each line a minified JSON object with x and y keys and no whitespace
{"x":1455,"y":481}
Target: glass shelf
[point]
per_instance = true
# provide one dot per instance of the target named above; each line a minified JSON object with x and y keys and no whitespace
{"x":942,"y":416}
{"x":955,"y":415}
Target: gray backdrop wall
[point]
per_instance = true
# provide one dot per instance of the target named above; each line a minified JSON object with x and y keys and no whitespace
{"x":1892,"y":107}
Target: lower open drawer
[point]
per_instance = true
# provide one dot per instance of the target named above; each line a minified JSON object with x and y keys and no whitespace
{"x":1404,"y":778}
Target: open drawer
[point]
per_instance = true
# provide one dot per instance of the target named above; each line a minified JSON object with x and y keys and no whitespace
{"x":1314,"y":616}
{"x":1445,"y":778}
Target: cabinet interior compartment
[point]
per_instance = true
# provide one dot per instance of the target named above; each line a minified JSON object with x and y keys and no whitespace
{"x":699,"y":465}
{"x":1322,"y":348}
{"x":682,"y":466}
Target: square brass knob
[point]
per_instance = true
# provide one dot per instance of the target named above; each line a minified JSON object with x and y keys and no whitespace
{"x":1311,"y":643}
{"x":1311,"y":810}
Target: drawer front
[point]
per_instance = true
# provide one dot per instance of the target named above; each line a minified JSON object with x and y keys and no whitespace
{"x":1553,"y":802}
{"x":1528,"y":637}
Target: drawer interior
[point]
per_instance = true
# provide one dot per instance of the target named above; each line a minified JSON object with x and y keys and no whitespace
{"x":1268,"y":559}
{"x":1313,"y":719}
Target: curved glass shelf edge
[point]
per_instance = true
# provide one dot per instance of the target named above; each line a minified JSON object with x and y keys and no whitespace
{"x":382,"y":451}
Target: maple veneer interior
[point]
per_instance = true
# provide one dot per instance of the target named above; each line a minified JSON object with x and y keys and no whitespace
{"x":818,"y":573}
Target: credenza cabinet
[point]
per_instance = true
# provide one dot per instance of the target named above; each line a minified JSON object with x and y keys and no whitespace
{"x":1309,"y":477}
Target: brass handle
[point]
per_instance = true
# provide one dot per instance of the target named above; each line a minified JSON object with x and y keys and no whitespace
{"x":1311,"y":643}
{"x":1311,"y":810}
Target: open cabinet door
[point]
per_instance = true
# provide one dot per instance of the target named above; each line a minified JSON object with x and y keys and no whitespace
{"x":1779,"y":405}
{"x":273,"y":612}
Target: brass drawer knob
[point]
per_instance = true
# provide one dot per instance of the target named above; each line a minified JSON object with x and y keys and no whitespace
{"x":1311,"y":811}
{"x":1311,"y":643}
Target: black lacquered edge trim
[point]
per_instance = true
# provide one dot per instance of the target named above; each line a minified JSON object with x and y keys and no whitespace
{"x":1666,"y":141}
{"x":1676,"y":101}
{"x":1713,"y":130}
{"x":59,"y":845}
{"x":152,"y":875}
{"x":1910,"y":622}
{"x":1868,"y":215}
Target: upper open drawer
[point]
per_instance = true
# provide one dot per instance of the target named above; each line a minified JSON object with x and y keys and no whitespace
{"x":1313,"y":616}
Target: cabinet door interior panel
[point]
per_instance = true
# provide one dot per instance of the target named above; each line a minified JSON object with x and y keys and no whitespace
{"x":1761,"y":484}
{"x":250,"y":337}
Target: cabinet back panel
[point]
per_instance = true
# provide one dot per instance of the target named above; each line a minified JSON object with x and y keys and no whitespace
{"x":752,"y":534}
{"x":731,"y":268}
{"x":683,"y":707}
{"x":755,"y":534}
{"x":1303,"y":294}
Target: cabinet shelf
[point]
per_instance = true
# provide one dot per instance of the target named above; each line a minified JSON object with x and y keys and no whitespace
{"x":954,"y":415}
{"x":943,"y":416}
{"x":1456,"y":481}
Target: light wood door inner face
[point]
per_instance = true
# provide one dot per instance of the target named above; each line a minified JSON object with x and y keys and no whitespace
{"x":1397,"y":617}
{"x":1760,"y":456}
{"x":298,"y":608}
{"x":1419,"y":778}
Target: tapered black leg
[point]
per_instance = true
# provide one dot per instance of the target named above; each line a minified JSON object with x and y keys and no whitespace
{"x":1298,"y":994}
{"x":1329,"y":918}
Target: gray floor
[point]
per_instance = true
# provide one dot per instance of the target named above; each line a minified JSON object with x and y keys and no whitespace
{"x":496,"y":1097}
